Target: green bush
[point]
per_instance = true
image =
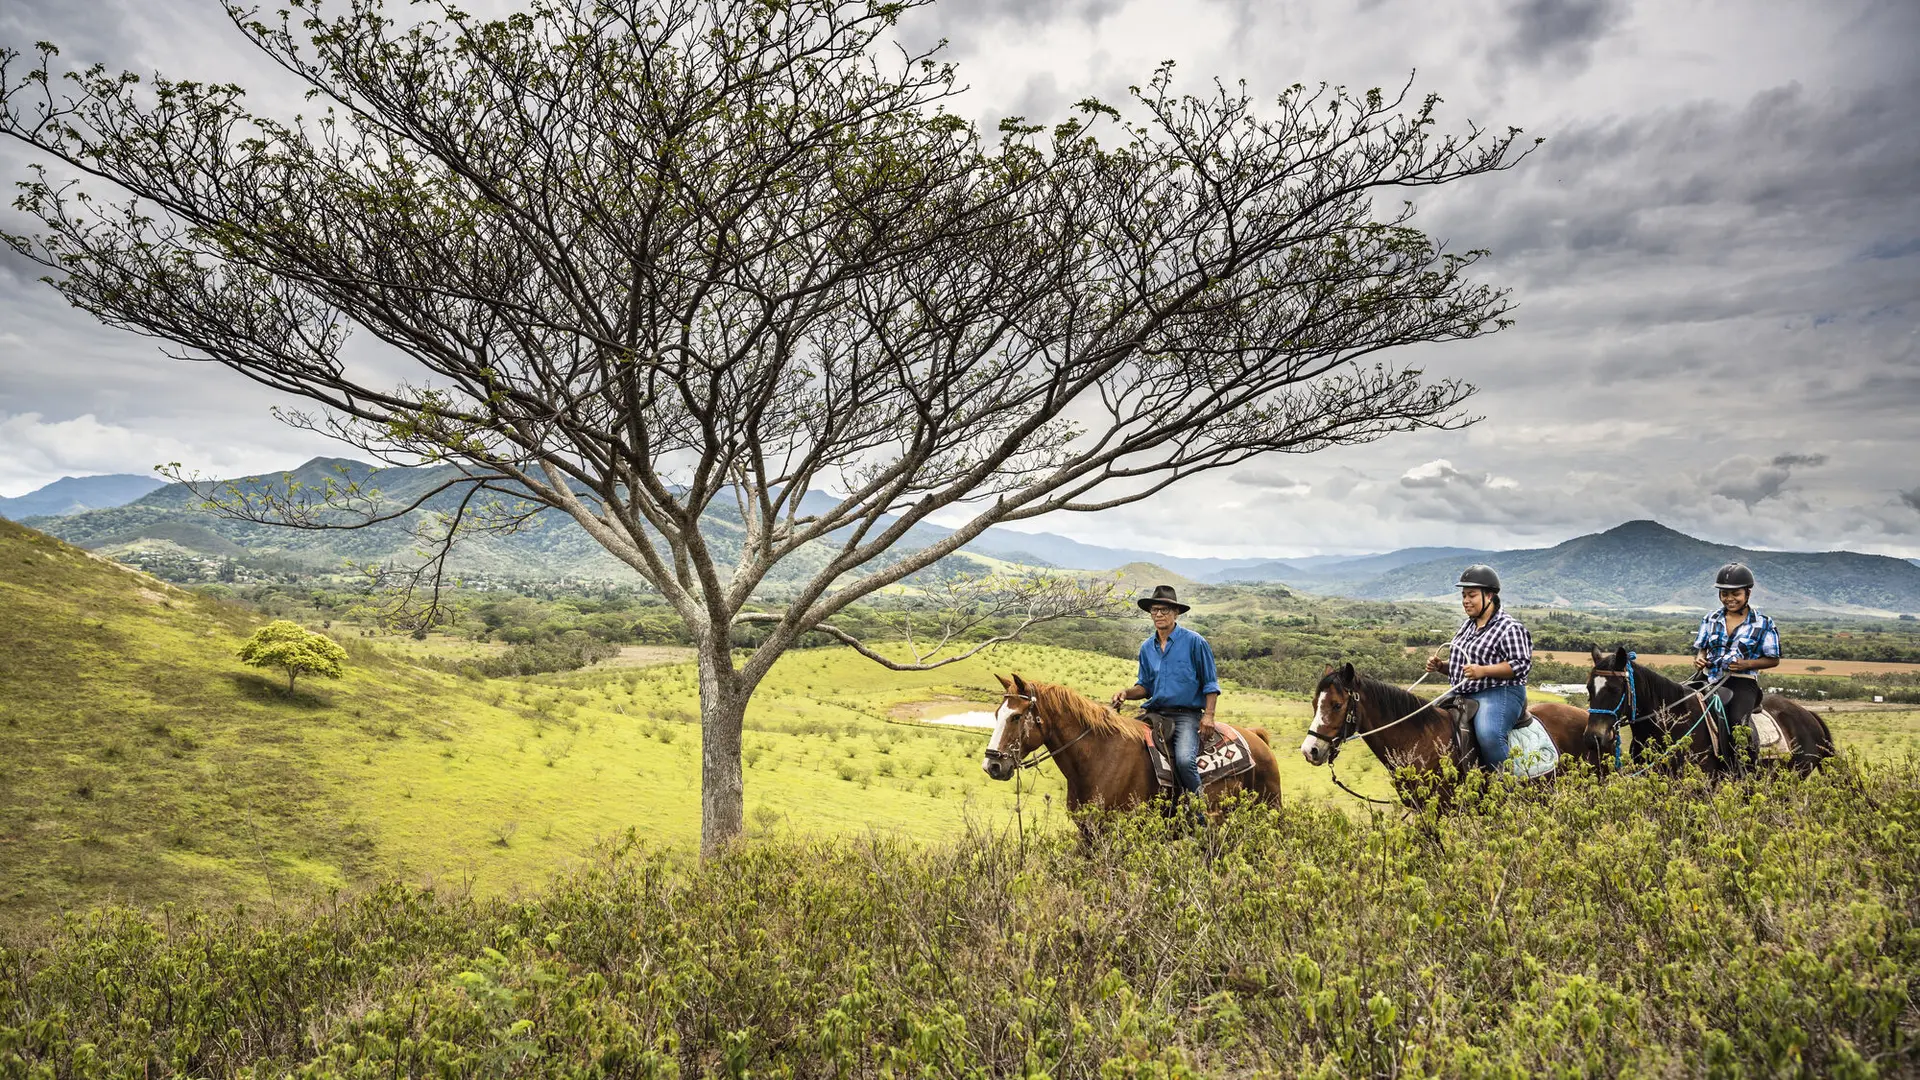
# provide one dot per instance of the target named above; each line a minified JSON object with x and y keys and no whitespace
{"x":1643,"y":927}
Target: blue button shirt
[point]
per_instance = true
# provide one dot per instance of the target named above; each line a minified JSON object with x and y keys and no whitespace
{"x":1182,"y":676}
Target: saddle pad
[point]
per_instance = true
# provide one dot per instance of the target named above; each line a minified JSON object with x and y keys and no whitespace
{"x":1223,"y":754}
{"x":1530,"y":752}
{"x":1773,"y":738}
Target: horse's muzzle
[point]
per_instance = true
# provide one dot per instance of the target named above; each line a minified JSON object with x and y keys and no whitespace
{"x":1314,"y":749}
{"x":998,"y":768}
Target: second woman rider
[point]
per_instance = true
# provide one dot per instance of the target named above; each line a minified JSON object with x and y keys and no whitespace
{"x":1491,"y":656}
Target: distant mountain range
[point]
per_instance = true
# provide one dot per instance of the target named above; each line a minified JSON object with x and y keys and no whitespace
{"x":1640,"y":565}
{"x":1645,"y":565}
{"x":73,"y":494}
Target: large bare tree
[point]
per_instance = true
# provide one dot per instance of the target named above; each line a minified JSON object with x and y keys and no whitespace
{"x":649,"y":258}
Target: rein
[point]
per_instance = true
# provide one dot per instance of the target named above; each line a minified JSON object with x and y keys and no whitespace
{"x":1350,"y":726}
{"x":1042,"y":755}
{"x":1631,"y":701}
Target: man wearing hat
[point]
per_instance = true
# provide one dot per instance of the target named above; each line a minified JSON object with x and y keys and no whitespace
{"x":1178,"y":680}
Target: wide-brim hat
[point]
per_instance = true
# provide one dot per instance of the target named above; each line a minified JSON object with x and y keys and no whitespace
{"x":1163,"y":594}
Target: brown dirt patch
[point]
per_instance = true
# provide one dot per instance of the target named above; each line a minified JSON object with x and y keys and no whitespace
{"x":1787,"y":666}
{"x":649,"y":656}
{"x":939,"y":706}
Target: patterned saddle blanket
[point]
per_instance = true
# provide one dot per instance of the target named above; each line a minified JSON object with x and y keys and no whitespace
{"x":1222,"y":754}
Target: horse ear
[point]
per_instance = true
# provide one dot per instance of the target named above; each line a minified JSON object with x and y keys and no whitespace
{"x":1020,"y":684}
{"x":1596,"y":656}
{"x":1620,"y":657}
{"x":1004,"y":681}
{"x":1347,"y":674}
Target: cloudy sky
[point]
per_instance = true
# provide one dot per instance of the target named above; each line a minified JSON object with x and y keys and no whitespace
{"x":1716,"y":257}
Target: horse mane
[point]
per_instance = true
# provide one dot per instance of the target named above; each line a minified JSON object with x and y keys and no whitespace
{"x":1668,"y":689}
{"x":1392,"y":701}
{"x":1061,"y":701}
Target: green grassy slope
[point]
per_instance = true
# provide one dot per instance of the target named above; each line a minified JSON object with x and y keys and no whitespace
{"x":140,"y":761}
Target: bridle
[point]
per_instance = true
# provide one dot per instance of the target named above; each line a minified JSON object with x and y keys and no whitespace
{"x":1017,"y":758}
{"x":1629,"y":701}
{"x":1349,"y":726}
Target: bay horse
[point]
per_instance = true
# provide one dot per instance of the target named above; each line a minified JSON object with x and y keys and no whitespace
{"x":1101,"y":753}
{"x":1658,"y":710}
{"x":1413,"y":739}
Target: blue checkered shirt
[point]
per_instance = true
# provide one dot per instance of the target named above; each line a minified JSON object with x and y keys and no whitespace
{"x":1502,"y":639}
{"x":1756,"y":638}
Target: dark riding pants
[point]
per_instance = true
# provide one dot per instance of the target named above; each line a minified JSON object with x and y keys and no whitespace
{"x":1745,"y":698}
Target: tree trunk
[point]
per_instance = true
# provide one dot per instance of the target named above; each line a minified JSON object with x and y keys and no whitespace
{"x":723,"y":712}
{"x":290,"y":675}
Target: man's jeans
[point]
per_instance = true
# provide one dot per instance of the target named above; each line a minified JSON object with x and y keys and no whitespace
{"x":1185,"y":748}
{"x":1501,"y":707}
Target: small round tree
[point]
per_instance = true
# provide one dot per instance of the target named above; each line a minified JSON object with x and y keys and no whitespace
{"x":296,"y":650}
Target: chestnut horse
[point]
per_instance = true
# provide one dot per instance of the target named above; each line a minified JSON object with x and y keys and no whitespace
{"x":1658,"y":710}
{"x":1405,"y":732}
{"x":1100,"y":752}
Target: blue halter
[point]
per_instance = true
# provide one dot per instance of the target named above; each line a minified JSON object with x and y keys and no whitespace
{"x":1631,"y":702}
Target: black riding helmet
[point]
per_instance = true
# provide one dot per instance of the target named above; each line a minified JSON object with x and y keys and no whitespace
{"x":1733,"y":576}
{"x":1479,"y":576}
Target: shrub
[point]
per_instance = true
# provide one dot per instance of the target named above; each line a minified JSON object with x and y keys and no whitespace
{"x":1656,"y":926}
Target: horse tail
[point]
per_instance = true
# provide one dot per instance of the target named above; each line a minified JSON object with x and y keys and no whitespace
{"x":1261,"y":734}
{"x":1827,"y":747}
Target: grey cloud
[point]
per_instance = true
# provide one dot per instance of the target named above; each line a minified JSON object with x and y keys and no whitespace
{"x":1911,"y":498}
{"x":1749,"y":482}
{"x":1267,"y":478}
{"x":1562,"y":32}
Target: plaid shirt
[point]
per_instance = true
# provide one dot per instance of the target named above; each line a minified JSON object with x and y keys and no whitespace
{"x":1502,"y":639}
{"x":1756,"y":638}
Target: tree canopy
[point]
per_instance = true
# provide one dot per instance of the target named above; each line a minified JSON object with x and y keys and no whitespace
{"x":294,"y":649}
{"x":650,"y":259}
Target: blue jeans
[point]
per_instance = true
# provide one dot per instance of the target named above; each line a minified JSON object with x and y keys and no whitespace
{"x":1185,"y":748}
{"x":1501,"y":707}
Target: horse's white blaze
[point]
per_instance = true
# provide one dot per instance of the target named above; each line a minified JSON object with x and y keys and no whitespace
{"x":1000,"y":717}
{"x":1311,"y":745}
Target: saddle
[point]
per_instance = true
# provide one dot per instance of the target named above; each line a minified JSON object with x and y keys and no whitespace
{"x":1527,"y":738}
{"x":1222,"y":754}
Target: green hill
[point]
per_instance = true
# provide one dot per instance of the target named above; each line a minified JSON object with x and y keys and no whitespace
{"x":548,"y":546}
{"x":140,"y":761}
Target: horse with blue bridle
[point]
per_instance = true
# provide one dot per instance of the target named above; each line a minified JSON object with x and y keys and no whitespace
{"x":1674,"y":724}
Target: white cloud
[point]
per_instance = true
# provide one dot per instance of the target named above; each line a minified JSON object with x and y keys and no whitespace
{"x":35,"y":451}
{"x":1440,"y":473}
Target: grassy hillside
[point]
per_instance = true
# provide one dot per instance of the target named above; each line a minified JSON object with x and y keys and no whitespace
{"x":140,"y":761}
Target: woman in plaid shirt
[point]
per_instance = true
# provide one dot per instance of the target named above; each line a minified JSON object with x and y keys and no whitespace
{"x":1732,"y":644}
{"x":1489,"y":661}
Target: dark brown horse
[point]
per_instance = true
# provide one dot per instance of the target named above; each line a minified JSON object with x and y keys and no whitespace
{"x":1412,"y":739}
{"x":1101,"y":753}
{"x":1663,"y":713}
